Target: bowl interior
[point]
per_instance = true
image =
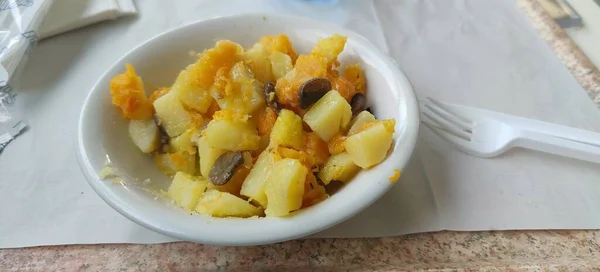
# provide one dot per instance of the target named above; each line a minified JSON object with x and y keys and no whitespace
{"x":103,"y":134}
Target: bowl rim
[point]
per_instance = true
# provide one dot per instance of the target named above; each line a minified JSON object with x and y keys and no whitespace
{"x":130,"y":212}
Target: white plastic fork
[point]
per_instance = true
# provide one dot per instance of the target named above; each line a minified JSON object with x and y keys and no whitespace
{"x":487,"y":134}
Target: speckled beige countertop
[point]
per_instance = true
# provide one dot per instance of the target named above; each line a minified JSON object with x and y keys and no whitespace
{"x":441,"y":251}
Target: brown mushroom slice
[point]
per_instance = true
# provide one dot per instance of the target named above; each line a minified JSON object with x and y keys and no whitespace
{"x":269,"y":88}
{"x":358,"y":103}
{"x":164,"y":137}
{"x":224,"y":167}
{"x":312,"y":90}
{"x":270,"y":96}
{"x":334,"y":186}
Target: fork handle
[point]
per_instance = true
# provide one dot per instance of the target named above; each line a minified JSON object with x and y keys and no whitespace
{"x":557,"y":146}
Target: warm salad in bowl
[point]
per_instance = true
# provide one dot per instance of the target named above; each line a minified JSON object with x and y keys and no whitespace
{"x":261,"y":131}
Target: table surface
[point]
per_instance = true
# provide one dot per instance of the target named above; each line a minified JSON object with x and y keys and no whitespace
{"x":489,"y":251}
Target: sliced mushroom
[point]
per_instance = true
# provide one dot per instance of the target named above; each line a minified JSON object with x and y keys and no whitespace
{"x":271,"y":96}
{"x":334,"y":186}
{"x":358,"y":103}
{"x":312,"y":90}
{"x":224,"y":168}
{"x":164,"y":137}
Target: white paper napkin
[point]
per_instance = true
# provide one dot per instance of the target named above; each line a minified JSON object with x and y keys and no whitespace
{"x":67,"y":15}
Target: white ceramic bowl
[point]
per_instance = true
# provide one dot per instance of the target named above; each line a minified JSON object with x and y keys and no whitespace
{"x":103,"y":132}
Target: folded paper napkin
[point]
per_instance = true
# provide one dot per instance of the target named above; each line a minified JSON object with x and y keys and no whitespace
{"x":67,"y":15}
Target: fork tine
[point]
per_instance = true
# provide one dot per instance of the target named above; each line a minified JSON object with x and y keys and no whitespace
{"x":446,"y":125}
{"x":445,"y":135}
{"x":442,"y":110}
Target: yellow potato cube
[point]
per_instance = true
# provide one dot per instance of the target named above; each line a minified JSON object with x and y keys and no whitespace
{"x":184,"y":142}
{"x":208,"y":155}
{"x":369,"y":146}
{"x":287,"y":130}
{"x":190,"y":92}
{"x":329,"y":48}
{"x":238,"y":90}
{"x":358,"y":121}
{"x":257,"y":59}
{"x":171,"y":163}
{"x":222,"y":204}
{"x":254,"y":184}
{"x":338,"y":167}
{"x":186,"y":190}
{"x":279,"y":43}
{"x":144,"y":134}
{"x":285,"y":187}
{"x":329,"y":115}
{"x":231,"y":135}
{"x":281,"y":64}
{"x":172,"y":115}
{"x":250,"y":91}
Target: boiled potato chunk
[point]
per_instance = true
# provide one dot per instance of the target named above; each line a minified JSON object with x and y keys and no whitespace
{"x":281,"y":64}
{"x":287,"y":130}
{"x":369,"y":146}
{"x":172,"y":115}
{"x":280,"y":43}
{"x":238,"y":90}
{"x":221,"y":204}
{"x":329,"y":115}
{"x":231,"y":135}
{"x":171,"y":163}
{"x":185,"y":190}
{"x":285,"y":187}
{"x":257,"y":59}
{"x":254,"y":184}
{"x":144,"y":134}
{"x":250,"y":91}
{"x":358,"y":121}
{"x":208,"y":155}
{"x":329,"y":48}
{"x":339,"y":167}
{"x":184,"y":142}
{"x":190,"y":92}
